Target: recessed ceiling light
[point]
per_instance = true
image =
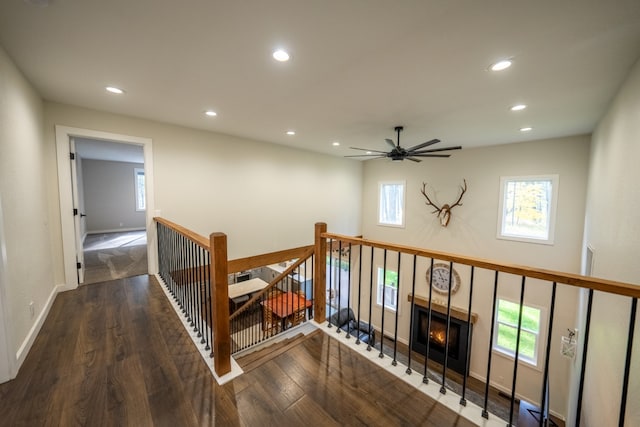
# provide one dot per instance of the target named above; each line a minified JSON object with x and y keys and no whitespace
{"x":210,"y":113}
{"x":114,"y":89}
{"x":526,"y":129}
{"x":518,"y":107}
{"x":368,"y":152}
{"x":291,"y":132}
{"x":501,"y":65}
{"x":281,"y":55}
{"x":335,"y":143}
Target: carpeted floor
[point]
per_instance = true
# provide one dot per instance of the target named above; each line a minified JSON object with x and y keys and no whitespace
{"x":111,"y":256}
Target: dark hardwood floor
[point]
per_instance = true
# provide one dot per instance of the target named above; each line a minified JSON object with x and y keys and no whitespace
{"x":115,"y":353}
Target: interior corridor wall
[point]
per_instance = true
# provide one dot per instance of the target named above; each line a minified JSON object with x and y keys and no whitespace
{"x":265,"y":197}
{"x":612,"y":230}
{"x":24,"y":165}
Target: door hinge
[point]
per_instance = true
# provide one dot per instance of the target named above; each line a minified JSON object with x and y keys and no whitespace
{"x":75,"y":212}
{"x":78,"y":265}
{"x":72,"y":156}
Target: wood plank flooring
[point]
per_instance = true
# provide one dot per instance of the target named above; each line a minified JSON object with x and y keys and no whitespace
{"x":115,"y":353}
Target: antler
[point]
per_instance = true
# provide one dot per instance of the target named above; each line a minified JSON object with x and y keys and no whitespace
{"x":429,"y":202}
{"x":464,"y":189}
{"x":444,"y":212}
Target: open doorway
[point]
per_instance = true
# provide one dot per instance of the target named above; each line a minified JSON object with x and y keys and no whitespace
{"x":110,"y":185}
{"x":75,"y":227}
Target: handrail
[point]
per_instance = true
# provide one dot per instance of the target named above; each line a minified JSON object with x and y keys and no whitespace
{"x":605,"y":285}
{"x":201,"y":241}
{"x":256,"y":261}
{"x":303,"y":258}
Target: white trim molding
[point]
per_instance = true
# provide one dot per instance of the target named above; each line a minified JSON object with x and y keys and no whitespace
{"x":63,"y":135}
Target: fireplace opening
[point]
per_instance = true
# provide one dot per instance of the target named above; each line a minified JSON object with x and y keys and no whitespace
{"x":458,"y":330}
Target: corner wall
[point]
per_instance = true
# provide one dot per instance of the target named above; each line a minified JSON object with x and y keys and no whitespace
{"x":612,"y":229}
{"x":25,"y":205}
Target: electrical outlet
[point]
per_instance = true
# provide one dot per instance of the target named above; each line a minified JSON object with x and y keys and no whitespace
{"x":32,"y":309}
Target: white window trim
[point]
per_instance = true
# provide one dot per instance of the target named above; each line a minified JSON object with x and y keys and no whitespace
{"x":378,"y":295}
{"x":537,"y":363}
{"x":404,"y":203}
{"x":136,"y":171}
{"x":552,"y":210}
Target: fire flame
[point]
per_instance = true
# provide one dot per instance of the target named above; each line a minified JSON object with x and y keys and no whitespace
{"x":439,"y":337}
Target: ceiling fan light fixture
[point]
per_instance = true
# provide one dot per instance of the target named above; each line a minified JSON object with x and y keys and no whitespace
{"x":503,"y":64}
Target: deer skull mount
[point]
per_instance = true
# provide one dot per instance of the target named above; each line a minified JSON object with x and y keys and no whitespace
{"x":444,"y":212}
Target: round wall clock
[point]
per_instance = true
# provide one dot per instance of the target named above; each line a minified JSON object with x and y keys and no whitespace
{"x":441,"y":278}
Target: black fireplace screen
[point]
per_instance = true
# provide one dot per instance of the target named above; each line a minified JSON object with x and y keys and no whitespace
{"x":458,"y":331}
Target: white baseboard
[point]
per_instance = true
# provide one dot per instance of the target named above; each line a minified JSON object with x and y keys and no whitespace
{"x":35,"y":329}
{"x":507,"y":391}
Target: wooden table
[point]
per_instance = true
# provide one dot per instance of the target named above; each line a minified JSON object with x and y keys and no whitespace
{"x":286,"y":304}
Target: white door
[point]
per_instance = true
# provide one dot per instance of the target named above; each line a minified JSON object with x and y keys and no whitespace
{"x":77,"y":215}
{"x":5,"y":366}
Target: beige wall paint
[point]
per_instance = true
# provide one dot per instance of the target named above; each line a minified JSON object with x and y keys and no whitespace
{"x":24,"y":161}
{"x":266,"y":197}
{"x":612,"y":229}
{"x":472,"y":231}
{"x":110,"y":196}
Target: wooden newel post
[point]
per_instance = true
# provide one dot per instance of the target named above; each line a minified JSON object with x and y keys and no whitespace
{"x":320,"y":274}
{"x":220,"y":302}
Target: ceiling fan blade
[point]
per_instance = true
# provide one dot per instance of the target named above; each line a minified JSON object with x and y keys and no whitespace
{"x":434,"y":150}
{"x":368,"y":155}
{"x":414,"y":160}
{"x":424,"y":144}
{"x":429,"y":155}
{"x":368,"y":149}
{"x":390,"y":142}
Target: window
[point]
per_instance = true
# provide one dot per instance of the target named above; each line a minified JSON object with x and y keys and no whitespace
{"x":391,"y":204}
{"x":141,"y":203}
{"x":528,"y":208}
{"x":388,"y":283}
{"x":506,"y":330}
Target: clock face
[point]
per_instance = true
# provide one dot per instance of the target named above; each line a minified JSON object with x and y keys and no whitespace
{"x":440,"y":281}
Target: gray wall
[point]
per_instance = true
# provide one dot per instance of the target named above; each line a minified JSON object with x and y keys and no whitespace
{"x":109,"y":196}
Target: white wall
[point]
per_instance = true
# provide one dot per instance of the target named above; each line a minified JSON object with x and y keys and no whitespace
{"x":24,"y":161}
{"x":265,"y":197}
{"x":612,"y":229}
{"x":110,"y":196}
{"x":472,"y":232}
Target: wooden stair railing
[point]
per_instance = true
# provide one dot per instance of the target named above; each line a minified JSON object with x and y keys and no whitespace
{"x":304,"y":256}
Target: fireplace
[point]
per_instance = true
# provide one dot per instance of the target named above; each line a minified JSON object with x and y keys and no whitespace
{"x":458,"y":331}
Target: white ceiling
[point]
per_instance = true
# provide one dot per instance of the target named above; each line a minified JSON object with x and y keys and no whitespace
{"x":108,"y":150}
{"x":358,"y":67}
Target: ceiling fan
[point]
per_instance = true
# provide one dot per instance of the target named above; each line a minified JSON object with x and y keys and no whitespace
{"x":399,"y":153}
